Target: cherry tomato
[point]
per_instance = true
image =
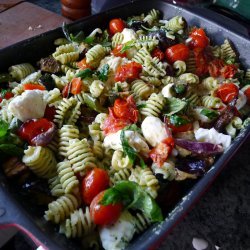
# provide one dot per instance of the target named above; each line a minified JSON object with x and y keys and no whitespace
{"x":227,"y":92}
{"x":116,"y":25}
{"x":201,"y":62}
{"x":215,"y":67}
{"x":50,"y":113}
{"x":199,"y":39}
{"x":228,"y":71}
{"x":5,"y":95}
{"x":66,"y":90}
{"x":113,"y":124}
{"x":76,"y":86}
{"x":126,"y":109}
{"x":117,"y":51}
{"x":177,"y":52}
{"x":158,"y":53}
{"x":247,"y":94}
{"x":104,"y":215}
{"x":38,"y":132}
{"x":180,"y":128}
{"x":160,"y":153}
{"x":95,"y":181}
{"x":128,"y":72}
{"x":83,"y":64}
{"x":31,"y":86}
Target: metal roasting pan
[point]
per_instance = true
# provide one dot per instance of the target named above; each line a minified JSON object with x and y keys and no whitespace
{"x":15,"y":212}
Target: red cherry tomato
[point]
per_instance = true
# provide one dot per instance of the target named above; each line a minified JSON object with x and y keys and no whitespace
{"x":50,"y":113}
{"x":199,"y":39}
{"x":227,"y":92}
{"x":182,"y":128}
{"x":228,"y":71}
{"x":31,"y":86}
{"x":128,"y":72}
{"x":158,"y":53}
{"x":95,"y":181}
{"x":117,"y":51}
{"x":104,"y":215}
{"x":116,"y":25}
{"x":215,"y":67}
{"x":126,"y":109}
{"x":247,"y":94}
{"x":5,"y":95}
{"x":38,"y":132}
{"x":83,"y":64}
{"x":177,"y":52}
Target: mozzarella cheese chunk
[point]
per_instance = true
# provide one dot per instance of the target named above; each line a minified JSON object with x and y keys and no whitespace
{"x":242,"y":100}
{"x":153,"y":130}
{"x":128,"y":35}
{"x":30,"y":105}
{"x":135,"y":140}
{"x":166,"y":91}
{"x":198,"y":116}
{"x":117,"y":236}
{"x":212,"y":136}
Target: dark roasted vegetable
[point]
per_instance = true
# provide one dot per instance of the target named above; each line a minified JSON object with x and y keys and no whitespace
{"x":192,"y":166}
{"x":50,"y":65}
{"x":47,"y":81}
{"x":87,"y":115}
{"x":137,"y":25}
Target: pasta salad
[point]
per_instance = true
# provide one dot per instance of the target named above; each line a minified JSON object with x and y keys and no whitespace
{"x":108,"y":120}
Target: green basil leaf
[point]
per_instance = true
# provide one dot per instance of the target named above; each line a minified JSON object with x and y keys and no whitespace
{"x":134,"y":197}
{"x":89,"y":40}
{"x":180,"y":88}
{"x":209,"y":113}
{"x":11,"y":149}
{"x":132,"y":127}
{"x":4,"y":126}
{"x":178,"y":121}
{"x":141,"y":105}
{"x":142,"y":162}
{"x":127,"y":45}
{"x":78,"y":38}
{"x":230,"y":60}
{"x":174,"y":105}
{"x":85,"y":73}
{"x":93,"y":103}
{"x":103,"y":73}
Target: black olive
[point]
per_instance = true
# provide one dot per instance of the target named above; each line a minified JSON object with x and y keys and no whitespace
{"x":164,"y":41}
{"x":137,"y":25}
{"x":47,"y":81}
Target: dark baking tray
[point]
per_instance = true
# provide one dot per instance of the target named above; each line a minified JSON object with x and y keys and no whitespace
{"x":15,"y":212}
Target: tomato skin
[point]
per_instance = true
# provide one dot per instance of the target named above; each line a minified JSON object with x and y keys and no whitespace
{"x":247,"y":94}
{"x":117,"y":51}
{"x":215,"y":67}
{"x":116,"y":25}
{"x":104,"y":215}
{"x":126,"y":109}
{"x":177,"y":52}
{"x":50,"y":113}
{"x":95,"y":181}
{"x":158,"y":53}
{"x":227,"y":92}
{"x":32,"y":86}
{"x":228,"y":71}
{"x":76,"y":86}
{"x":199,"y":39}
{"x":182,"y":128}
{"x":37,"y":132}
{"x":128,"y":72}
{"x":83,"y":64}
{"x":66,"y":90}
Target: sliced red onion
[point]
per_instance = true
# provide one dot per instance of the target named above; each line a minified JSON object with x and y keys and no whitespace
{"x":45,"y":138}
{"x":200,"y":148}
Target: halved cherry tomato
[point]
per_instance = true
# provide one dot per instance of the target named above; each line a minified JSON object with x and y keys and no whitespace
{"x":31,"y":86}
{"x":247,"y":94}
{"x":158,"y":53}
{"x":126,"y":109}
{"x":76,"y":86}
{"x":215,"y":67}
{"x":228,"y":71}
{"x":117,"y":51}
{"x":199,"y":39}
{"x":160,"y":153}
{"x":83,"y":64}
{"x":227,"y":92}
{"x":5,"y":95}
{"x":113,"y":124}
{"x":95,"y":181}
{"x":50,"y":113}
{"x":104,"y":215}
{"x":128,"y":72}
{"x":38,"y":132}
{"x":177,"y":52}
{"x":180,"y":128}
{"x":116,"y":25}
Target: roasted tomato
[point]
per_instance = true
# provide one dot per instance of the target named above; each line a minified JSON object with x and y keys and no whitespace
{"x":104,"y":215}
{"x":126,"y":108}
{"x":158,"y":53}
{"x":37,"y":132}
{"x":227,"y":92}
{"x":83,"y":64}
{"x":179,"y":124}
{"x":199,"y":39}
{"x":160,"y":153}
{"x":117,"y":51}
{"x":228,"y":71}
{"x":177,"y":52}
{"x":128,"y":72}
{"x":116,"y":25}
{"x":95,"y":181}
{"x":32,"y":86}
{"x":76,"y":86}
{"x":215,"y":67}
